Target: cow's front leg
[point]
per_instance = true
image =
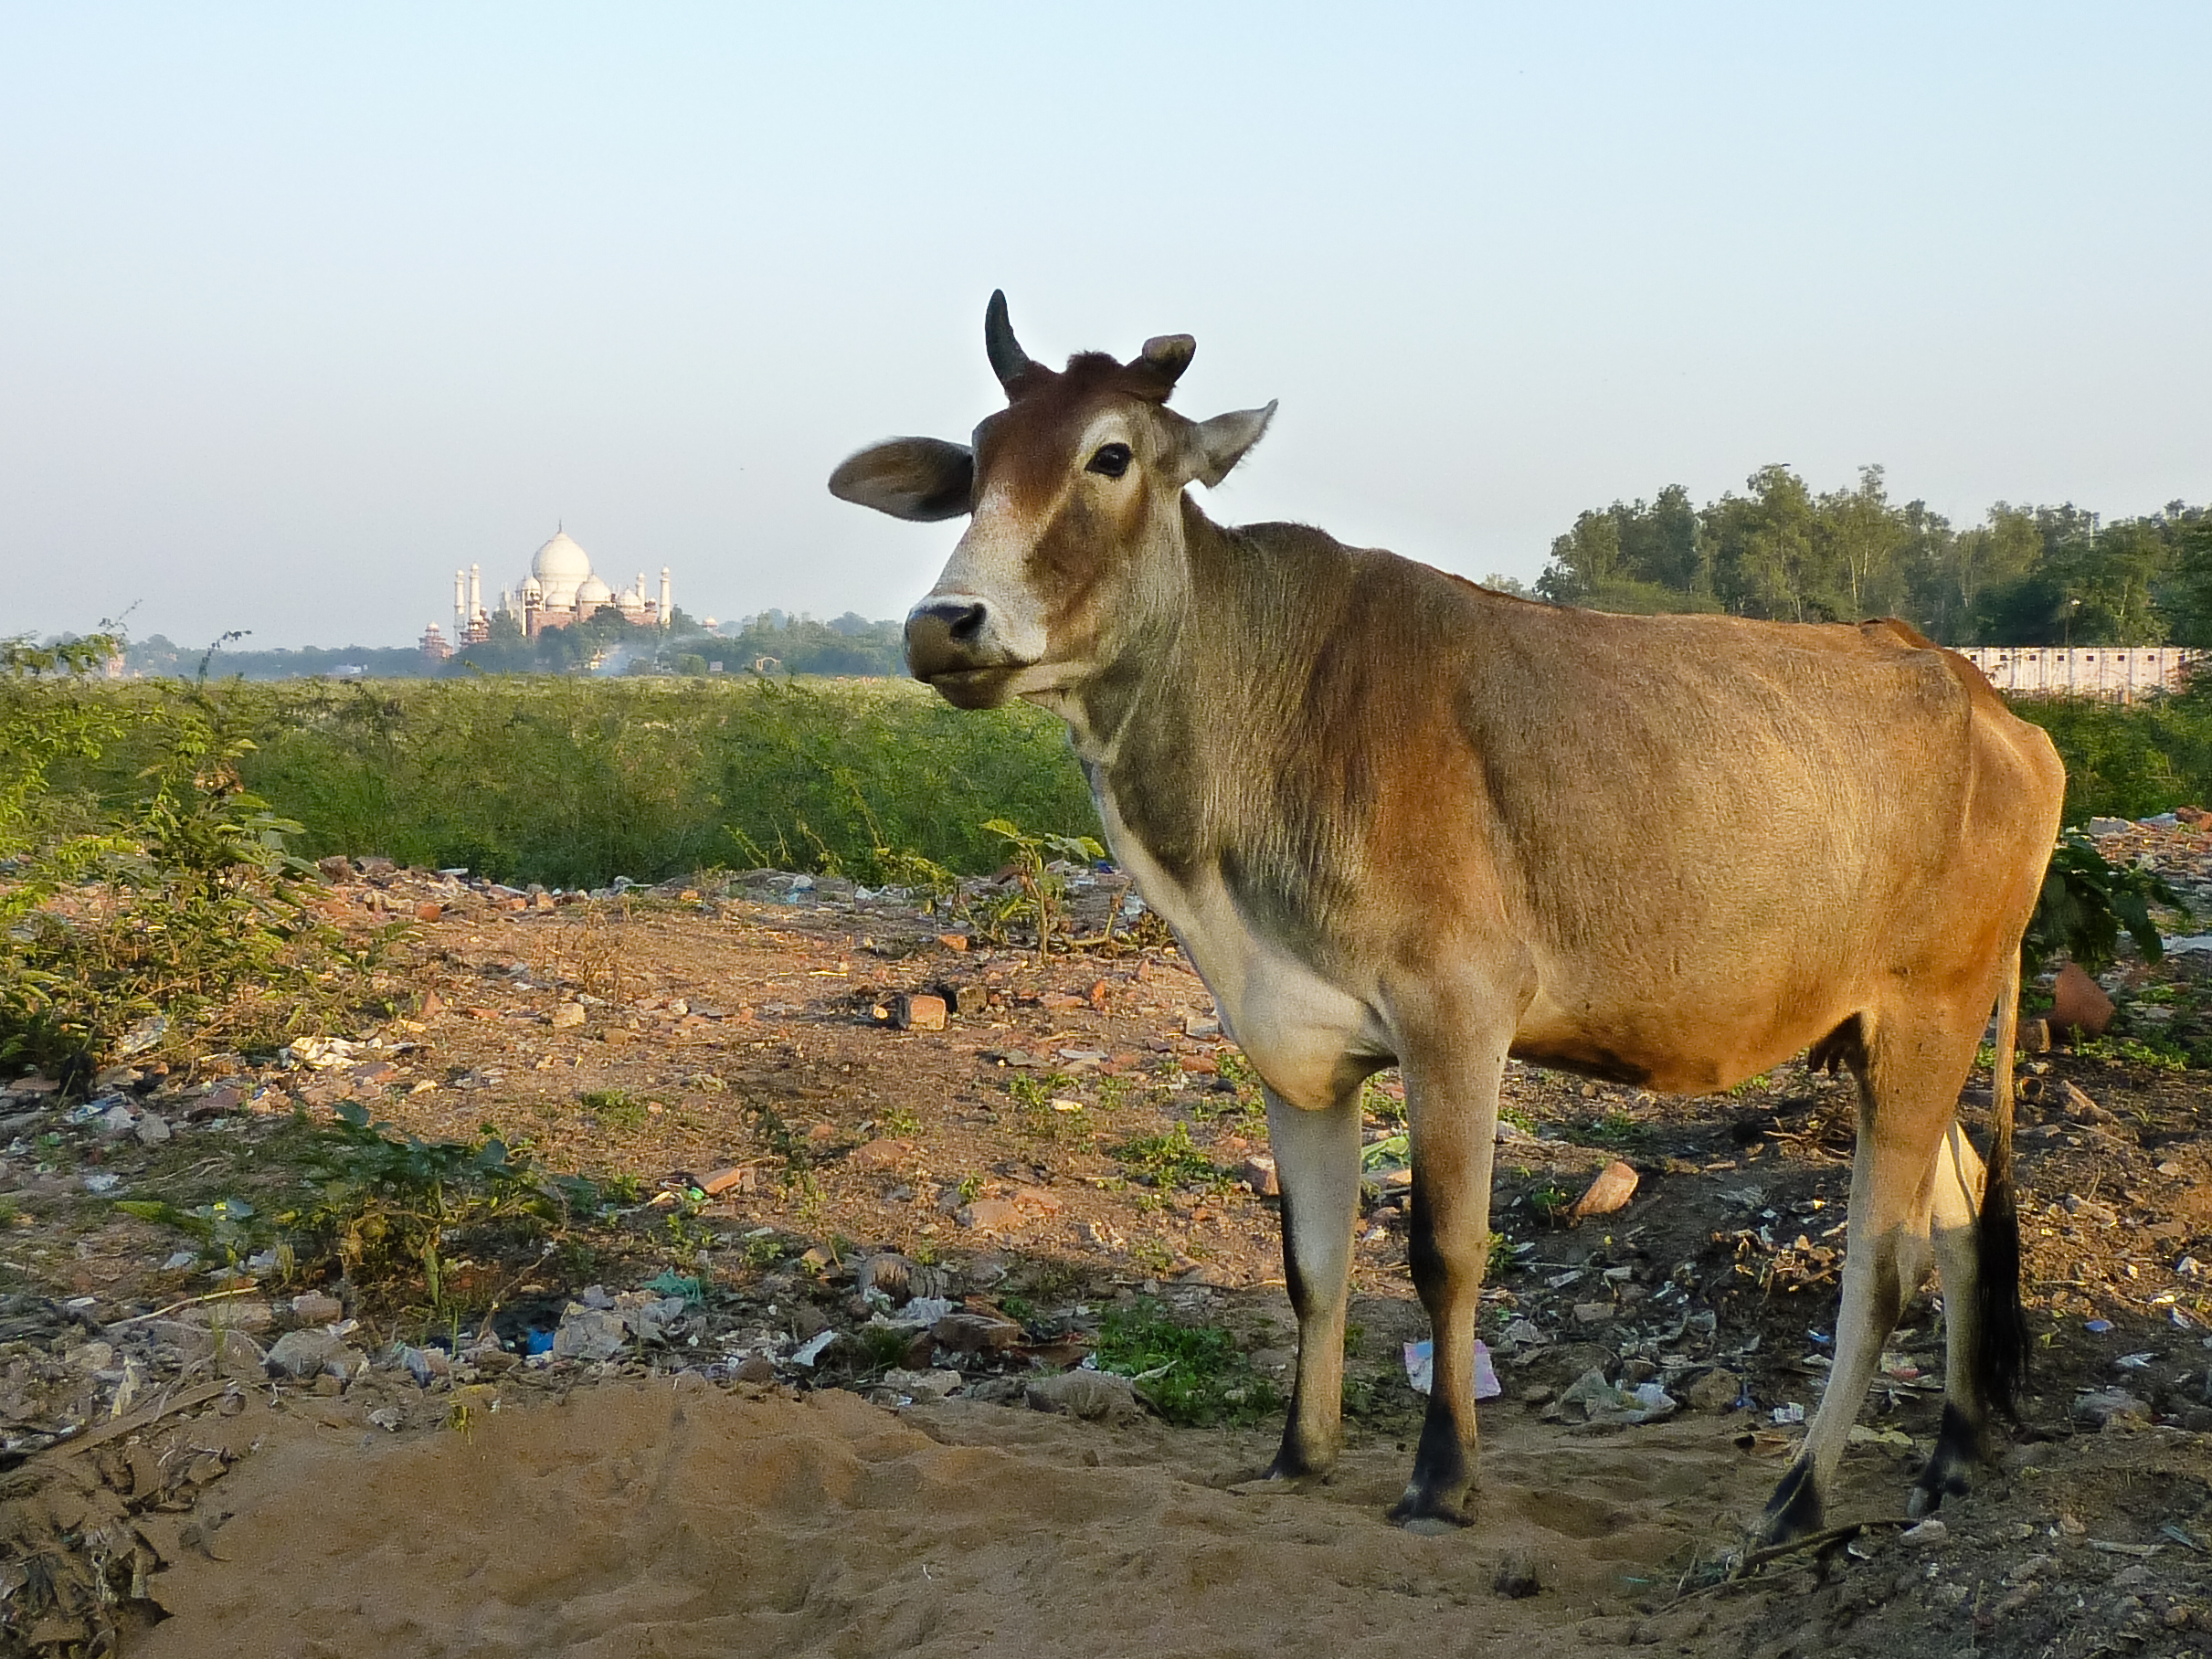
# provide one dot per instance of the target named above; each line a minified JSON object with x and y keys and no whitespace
{"x":1317,"y":1159}
{"x":1451,"y":1100}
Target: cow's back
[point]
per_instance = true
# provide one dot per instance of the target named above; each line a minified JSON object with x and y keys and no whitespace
{"x":1676,"y":817}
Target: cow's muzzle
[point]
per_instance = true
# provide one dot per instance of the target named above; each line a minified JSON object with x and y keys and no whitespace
{"x":950,"y":646}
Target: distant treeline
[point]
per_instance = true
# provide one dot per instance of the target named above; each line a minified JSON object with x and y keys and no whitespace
{"x":770,"y":643}
{"x":2024,"y":575}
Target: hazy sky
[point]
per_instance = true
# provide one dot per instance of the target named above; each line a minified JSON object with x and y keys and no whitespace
{"x":302,"y":307}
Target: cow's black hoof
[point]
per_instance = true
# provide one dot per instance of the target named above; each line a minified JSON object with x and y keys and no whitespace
{"x":1959,"y":1445}
{"x":1795,"y":1510}
{"x":1420,"y":1511}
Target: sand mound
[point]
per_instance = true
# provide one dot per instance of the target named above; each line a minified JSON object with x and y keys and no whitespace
{"x":684,"y":1520}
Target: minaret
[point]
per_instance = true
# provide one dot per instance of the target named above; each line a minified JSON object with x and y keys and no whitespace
{"x":666,"y":611}
{"x":461,"y":601}
{"x":478,"y":629}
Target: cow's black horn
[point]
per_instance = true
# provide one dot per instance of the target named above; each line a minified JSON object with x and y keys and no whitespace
{"x":1007,"y":360}
{"x":1170,"y":354}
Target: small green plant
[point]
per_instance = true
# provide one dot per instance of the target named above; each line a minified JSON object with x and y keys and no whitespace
{"x":1549,"y":1199}
{"x":1192,"y":1375}
{"x":1170,"y":1159}
{"x":1617,"y":1127}
{"x":1381,"y":1105}
{"x":1519,"y":1116}
{"x":228,"y":1231}
{"x":1040,"y":893}
{"x":1392,"y":1151}
{"x":387,"y":1203}
{"x":2086,"y":901}
{"x":615,"y":1108}
{"x":1113,"y":1093}
{"x":2154,"y":1053}
{"x":1500,"y":1256}
{"x":898,"y":1120}
{"x":971,"y":1187}
{"x":1752,"y":1084}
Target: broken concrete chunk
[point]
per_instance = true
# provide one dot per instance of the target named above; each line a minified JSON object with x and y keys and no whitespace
{"x":966,"y":1333}
{"x":1094,"y":1396}
{"x":1614,"y":1185}
{"x":917,"y":1012}
{"x":589,"y":1334}
{"x":302,"y":1354}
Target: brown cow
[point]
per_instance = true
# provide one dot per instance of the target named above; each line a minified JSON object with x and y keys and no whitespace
{"x":1398,"y":820}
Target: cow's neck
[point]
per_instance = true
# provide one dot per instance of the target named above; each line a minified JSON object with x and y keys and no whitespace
{"x":1191,"y":735}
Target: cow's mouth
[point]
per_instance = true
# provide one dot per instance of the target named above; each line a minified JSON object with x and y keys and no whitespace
{"x":974,"y":687}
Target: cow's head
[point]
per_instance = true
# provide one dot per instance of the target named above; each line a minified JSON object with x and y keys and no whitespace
{"x":1075,"y":538}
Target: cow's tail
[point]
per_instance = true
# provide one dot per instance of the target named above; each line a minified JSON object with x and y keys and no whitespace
{"x":2000,"y":1360}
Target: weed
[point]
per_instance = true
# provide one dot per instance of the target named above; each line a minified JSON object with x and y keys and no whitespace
{"x":1616,"y":1128}
{"x":1752,"y":1084}
{"x":1549,"y":1199}
{"x":1152,"y":1254}
{"x":777,"y":1136}
{"x":1113,"y":1093}
{"x":764,"y":1251}
{"x":2155,"y":1054}
{"x":1168,"y":1160}
{"x":1192,"y":1375}
{"x":162,"y":906}
{"x":969,"y":1188}
{"x":388,"y":1206}
{"x":1500,"y":1256}
{"x":1392,"y":1151}
{"x":1381,"y":1105}
{"x":2086,"y":901}
{"x":1040,"y":892}
{"x":615,"y":1108}
{"x":1519,"y":1116}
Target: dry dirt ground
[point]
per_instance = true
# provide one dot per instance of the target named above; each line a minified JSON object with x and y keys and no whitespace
{"x":774,"y":1456}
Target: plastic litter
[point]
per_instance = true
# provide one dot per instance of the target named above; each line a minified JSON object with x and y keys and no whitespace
{"x":1602,"y":1401}
{"x":1421,"y":1369}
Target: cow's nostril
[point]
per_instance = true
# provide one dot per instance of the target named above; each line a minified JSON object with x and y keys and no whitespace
{"x":968,"y":625}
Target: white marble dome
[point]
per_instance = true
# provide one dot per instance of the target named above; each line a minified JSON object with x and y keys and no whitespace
{"x":591,"y":593}
{"x":561,"y":569}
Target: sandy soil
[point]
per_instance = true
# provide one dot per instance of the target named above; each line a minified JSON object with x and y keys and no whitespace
{"x":654,"y":1503}
{"x":682,"y":1519}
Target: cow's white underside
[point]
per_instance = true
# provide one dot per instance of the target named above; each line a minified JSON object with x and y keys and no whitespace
{"x":1294,"y":1024}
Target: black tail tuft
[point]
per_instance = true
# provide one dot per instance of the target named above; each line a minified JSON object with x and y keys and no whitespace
{"x":2000,"y":1359}
{"x":2000,"y":1356}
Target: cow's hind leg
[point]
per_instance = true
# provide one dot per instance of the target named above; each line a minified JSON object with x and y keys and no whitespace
{"x":1317,"y":1159}
{"x":1978,"y":1249}
{"x":1909,"y":1085}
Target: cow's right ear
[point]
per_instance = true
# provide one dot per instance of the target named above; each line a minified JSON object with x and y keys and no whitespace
{"x":909,"y":477}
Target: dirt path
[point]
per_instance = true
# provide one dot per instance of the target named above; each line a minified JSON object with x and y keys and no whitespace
{"x":1076,"y":1146}
{"x":684,"y":1520}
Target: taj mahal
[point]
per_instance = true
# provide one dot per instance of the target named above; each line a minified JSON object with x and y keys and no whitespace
{"x":560,"y":588}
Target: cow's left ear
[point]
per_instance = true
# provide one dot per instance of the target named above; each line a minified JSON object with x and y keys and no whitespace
{"x":909,"y":477}
{"x":1216,"y":446}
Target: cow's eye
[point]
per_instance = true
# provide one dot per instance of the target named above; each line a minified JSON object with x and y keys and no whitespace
{"x":1113,"y":459}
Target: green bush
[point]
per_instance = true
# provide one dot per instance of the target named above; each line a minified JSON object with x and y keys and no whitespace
{"x":152,"y":902}
{"x":572,"y":783}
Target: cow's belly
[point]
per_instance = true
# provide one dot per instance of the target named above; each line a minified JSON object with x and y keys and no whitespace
{"x":1304,"y":1032}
